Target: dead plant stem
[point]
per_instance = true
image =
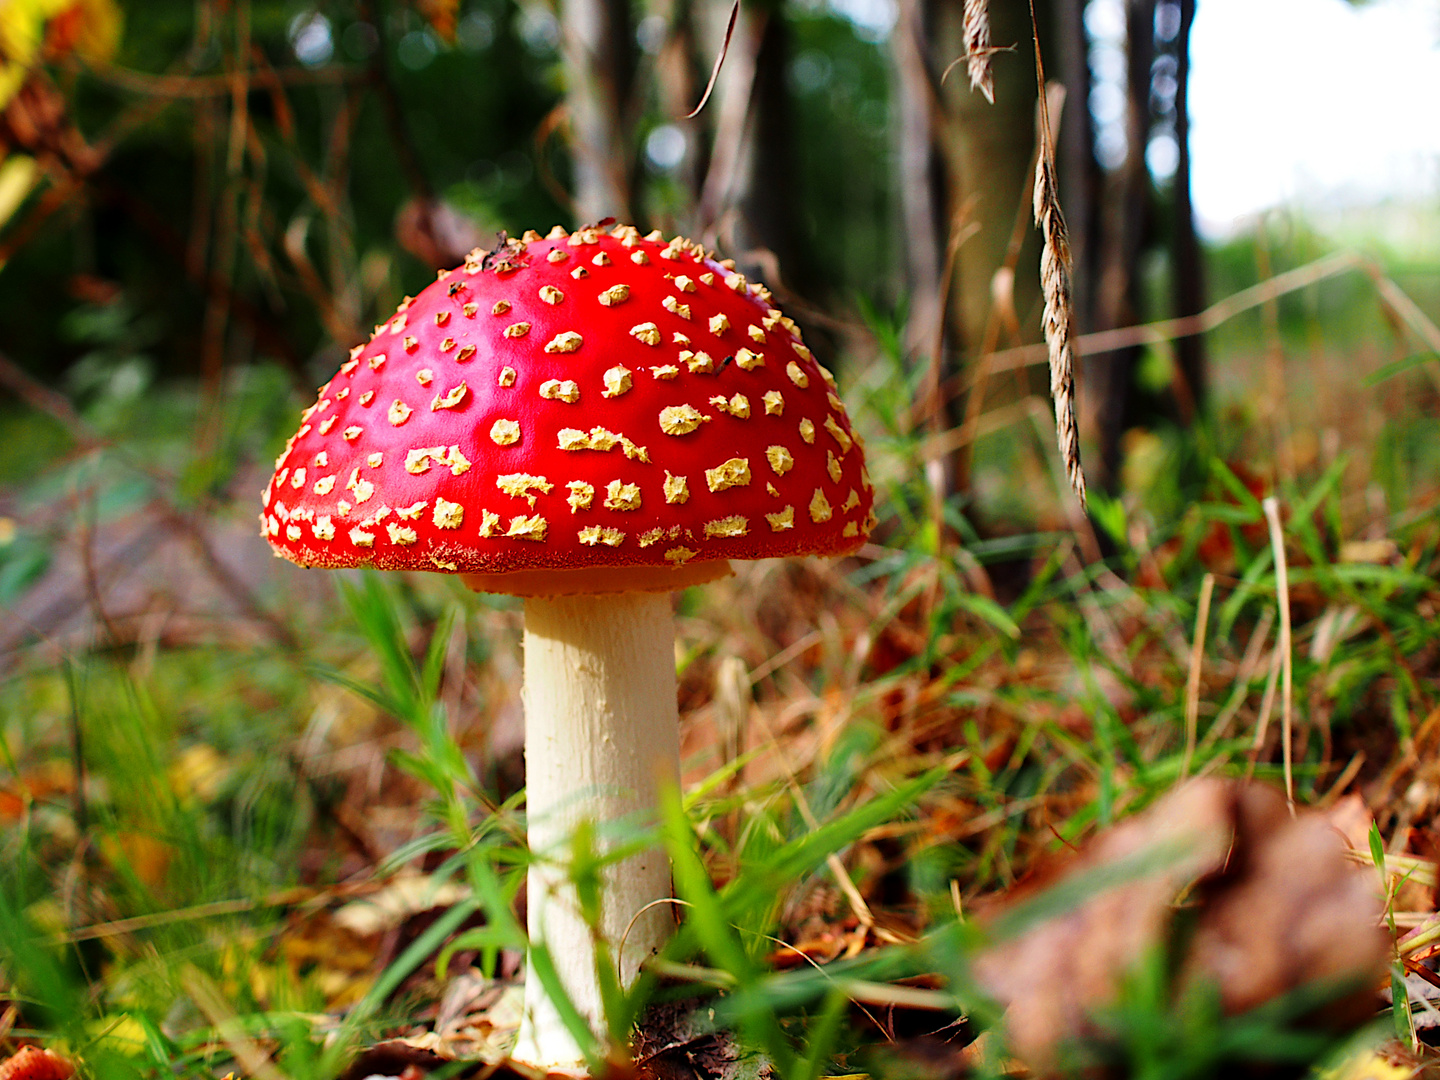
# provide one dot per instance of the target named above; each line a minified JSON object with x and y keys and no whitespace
{"x":1197,"y":662}
{"x":1282,"y":595}
{"x":1248,"y":663}
{"x":1267,"y":706}
{"x":1218,"y":313}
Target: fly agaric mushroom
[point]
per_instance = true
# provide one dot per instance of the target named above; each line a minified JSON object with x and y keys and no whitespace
{"x":590,"y":421}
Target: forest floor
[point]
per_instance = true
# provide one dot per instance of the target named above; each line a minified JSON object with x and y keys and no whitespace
{"x":268,"y":820}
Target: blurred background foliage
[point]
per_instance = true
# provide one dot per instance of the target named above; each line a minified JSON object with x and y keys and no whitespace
{"x":192,"y":190}
{"x":204,"y":203}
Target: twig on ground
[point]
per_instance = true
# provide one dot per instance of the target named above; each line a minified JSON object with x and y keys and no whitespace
{"x":1408,"y":312}
{"x":208,"y":999}
{"x":58,"y":407}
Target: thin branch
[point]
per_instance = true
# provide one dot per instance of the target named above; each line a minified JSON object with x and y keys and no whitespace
{"x":216,"y":86}
{"x":1248,"y":665}
{"x":729,"y":141}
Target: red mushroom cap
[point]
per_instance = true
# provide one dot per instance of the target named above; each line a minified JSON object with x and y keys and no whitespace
{"x":584,"y":400}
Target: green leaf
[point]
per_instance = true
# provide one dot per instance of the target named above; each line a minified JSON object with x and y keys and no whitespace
{"x":1399,"y":367}
{"x":1237,"y":489}
{"x":988,"y":611}
{"x":821,"y":1035}
{"x":483,"y":938}
{"x":435,"y":654}
{"x":377,"y":613}
{"x":1377,"y":851}
{"x":382,"y":701}
{"x":809,"y":851}
{"x":1109,"y":514}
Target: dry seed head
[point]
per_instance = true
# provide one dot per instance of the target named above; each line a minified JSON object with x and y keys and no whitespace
{"x":1058,"y":317}
{"x":976,"y":31}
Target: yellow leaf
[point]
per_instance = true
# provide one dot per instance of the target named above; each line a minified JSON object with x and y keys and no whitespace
{"x":146,"y":856}
{"x":199,"y":772}
{"x":22,"y":29}
{"x":91,"y":28}
{"x":121,"y":1032}
{"x":1369,"y":1064}
{"x":29,"y":29}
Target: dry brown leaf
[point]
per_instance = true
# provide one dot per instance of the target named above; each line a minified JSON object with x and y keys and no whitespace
{"x":1287,"y":910}
{"x":1275,"y":905}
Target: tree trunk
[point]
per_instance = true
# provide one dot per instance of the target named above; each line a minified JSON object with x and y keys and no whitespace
{"x":748,"y":202}
{"x":766,"y":198}
{"x":924,"y":186}
{"x":1080,"y":180}
{"x":1189,"y":279}
{"x":990,"y":159}
{"x":1126,"y":225}
{"x":598,"y":46}
{"x":678,"y":85}
{"x":925,"y":213}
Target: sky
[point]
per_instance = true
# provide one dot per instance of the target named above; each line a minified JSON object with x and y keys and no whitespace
{"x":1313,"y":102}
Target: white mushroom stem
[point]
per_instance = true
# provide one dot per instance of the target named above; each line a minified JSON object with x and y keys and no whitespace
{"x":601,"y":737}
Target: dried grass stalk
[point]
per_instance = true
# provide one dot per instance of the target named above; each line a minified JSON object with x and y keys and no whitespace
{"x":1059,"y":317}
{"x":977,"y":47}
{"x":1059,"y":314}
{"x":1285,"y":648}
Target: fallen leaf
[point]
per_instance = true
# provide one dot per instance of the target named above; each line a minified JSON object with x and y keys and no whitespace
{"x":1390,"y":1062}
{"x":1274,"y":905}
{"x":393,"y":1058}
{"x":1287,"y":909}
{"x":406,"y":895}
